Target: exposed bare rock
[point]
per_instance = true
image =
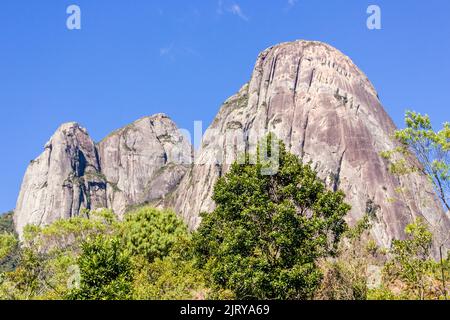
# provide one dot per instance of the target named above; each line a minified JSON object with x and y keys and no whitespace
{"x":325,"y":109}
{"x":143,"y":162}
{"x":61,"y":181}
{"x":140,"y":163}
{"x":309,"y":94}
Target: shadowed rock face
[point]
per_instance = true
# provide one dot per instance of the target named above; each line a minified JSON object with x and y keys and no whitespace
{"x":326,"y":111}
{"x":143,"y":162}
{"x":139,"y":163}
{"x":61,"y":181}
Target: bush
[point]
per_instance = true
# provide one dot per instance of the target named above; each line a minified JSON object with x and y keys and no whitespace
{"x":106,"y":271}
{"x":152,"y":233}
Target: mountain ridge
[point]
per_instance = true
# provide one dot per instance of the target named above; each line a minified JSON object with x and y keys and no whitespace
{"x":308,"y":93}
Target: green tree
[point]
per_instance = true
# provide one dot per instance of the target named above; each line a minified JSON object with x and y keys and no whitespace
{"x":173,"y":277}
{"x":152,"y":233}
{"x":6,"y":222}
{"x":346,"y":276}
{"x":8,"y":242}
{"x":411,"y":260}
{"x":431,"y":148}
{"x":427,"y":151}
{"x":105,"y":269}
{"x":268,"y":231}
{"x":28,"y":280}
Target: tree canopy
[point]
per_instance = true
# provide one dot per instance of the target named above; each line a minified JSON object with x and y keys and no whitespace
{"x":267,"y":232}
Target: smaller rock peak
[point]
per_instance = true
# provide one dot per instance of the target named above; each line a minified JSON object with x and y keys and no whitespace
{"x":158,"y":116}
{"x":303,"y":44}
{"x":70,"y":127}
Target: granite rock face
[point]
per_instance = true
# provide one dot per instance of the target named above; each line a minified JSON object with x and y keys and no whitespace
{"x":64,"y":179}
{"x":308,"y":94}
{"x":143,"y":162}
{"x":137,"y":164}
{"x":326,"y":111}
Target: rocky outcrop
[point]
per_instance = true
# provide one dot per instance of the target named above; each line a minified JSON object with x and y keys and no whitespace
{"x":61,"y":181}
{"x":325,"y":109}
{"x":140,"y":163}
{"x":308,"y":94}
{"x":143,"y":162}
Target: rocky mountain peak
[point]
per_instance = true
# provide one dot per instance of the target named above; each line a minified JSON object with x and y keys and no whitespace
{"x":143,"y":161}
{"x":315,"y":99}
{"x":307,"y":93}
{"x":139,"y":163}
{"x":62,"y":181}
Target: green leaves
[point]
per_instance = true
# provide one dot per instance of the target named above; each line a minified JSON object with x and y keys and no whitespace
{"x":8,"y":242}
{"x":267,"y":233}
{"x":106,"y":271}
{"x":411,"y":262}
{"x":152,"y":233}
{"x":146,"y":256}
{"x":431,"y":148}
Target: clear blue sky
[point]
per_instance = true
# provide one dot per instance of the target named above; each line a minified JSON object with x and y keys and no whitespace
{"x":139,"y":57}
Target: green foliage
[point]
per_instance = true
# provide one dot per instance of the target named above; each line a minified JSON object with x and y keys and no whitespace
{"x":106,"y":271}
{"x":164,"y":268}
{"x":6,"y":222}
{"x":8,"y":242}
{"x":346,"y":275}
{"x":431,"y":148}
{"x":67,"y":234}
{"x":28,"y":280}
{"x":152,"y":233}
{"x":95,"y":256}
{"x":169,"y":278}
{"x":267,"y":233}
{"x":411,"y":262}
{"x":49,"y":253}
{"x":381,"y":293}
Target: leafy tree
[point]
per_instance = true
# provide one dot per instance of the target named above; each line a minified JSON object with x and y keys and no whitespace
{"x":412,"y":263}
{"x":67,"y":234}
{"x":105,"y":269}
{"x":8,"y":242}
{"x":48,"y":255}
{"x":109,"y":259}
{"x":432,"y":149}
{"x":152,"y":233}
{"x":6,"y":222}
{"x":160,"y":245}
{"x":427,"y":151}
{"x":28,"y":280}
{"x":173,"y":277}
{"x":267,"y":233}
{"x":346,"y":276}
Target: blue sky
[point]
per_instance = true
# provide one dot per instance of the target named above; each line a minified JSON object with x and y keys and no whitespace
{"x":184,"y":58}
